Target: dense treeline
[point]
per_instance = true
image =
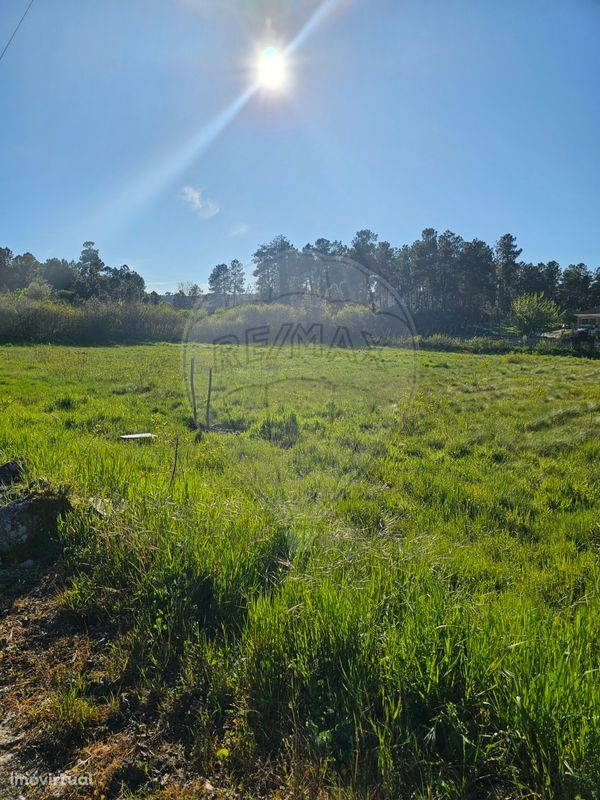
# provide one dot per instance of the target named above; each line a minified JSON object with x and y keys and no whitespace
{"x":447,"y":282}
{"x":440,"y":276}
{"x":85,"y":279}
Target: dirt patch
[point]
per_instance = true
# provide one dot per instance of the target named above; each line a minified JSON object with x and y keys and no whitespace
{"x":61,"y":713}
{"x":42,"y":651}
{"x":20,"y":601}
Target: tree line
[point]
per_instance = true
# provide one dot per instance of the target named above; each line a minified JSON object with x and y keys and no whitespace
{"x":439,"y":274}
{"x":85,"y":279}
{"x":442,"y":278}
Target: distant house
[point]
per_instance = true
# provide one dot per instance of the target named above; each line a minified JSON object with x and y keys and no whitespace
{"x":589,"y":319}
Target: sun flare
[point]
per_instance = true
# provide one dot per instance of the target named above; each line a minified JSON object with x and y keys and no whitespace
{"x":272,"y":71}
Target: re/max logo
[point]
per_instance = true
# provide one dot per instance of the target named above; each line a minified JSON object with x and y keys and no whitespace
{"x":290,"y":333}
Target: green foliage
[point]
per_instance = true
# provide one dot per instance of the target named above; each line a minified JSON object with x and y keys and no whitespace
{"x":502,"y":345}
{"x":87,"y":278}
{"x":533,"y":313}
{"x":282,"y":429}
{"x":67,"y":716}
{"x":450,"y":285}
{"x":38,"y":290}
{"x":30,"y":320}
{"x":26,"y":320}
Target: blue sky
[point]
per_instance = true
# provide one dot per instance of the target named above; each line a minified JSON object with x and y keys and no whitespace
{"x":119,"y":125}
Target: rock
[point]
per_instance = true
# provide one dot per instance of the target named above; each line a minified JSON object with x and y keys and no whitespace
{"x":28,"y":564}
{"x":11,"y":472}
{"x":22,"y":522}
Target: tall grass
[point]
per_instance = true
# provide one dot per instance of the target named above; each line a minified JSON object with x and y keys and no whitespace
{"x":403,"y":601}
{"x":24,"y":320}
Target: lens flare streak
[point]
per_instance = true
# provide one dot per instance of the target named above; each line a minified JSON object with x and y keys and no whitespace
{"x":155,"y":179}
{"x":317,"y":17}
{"x":271,"y":74}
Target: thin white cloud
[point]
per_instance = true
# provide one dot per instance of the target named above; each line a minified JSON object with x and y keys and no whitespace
{"x":240,"y":229}
{"x":204,"y":206}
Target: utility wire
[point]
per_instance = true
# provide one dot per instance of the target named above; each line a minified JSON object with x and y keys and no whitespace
{"x":14,"y":33}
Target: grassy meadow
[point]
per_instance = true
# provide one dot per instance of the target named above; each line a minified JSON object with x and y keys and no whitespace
{"x":359,"y":581}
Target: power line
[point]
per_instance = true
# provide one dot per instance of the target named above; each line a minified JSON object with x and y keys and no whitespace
{"x":14,"y":33}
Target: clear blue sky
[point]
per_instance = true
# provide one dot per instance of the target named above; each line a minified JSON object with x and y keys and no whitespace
{"x":476,"y":115}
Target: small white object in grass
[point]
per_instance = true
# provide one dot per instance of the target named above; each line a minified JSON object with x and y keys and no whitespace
{"x":137,"y":436}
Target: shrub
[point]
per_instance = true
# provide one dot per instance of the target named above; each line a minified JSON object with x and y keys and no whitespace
{"x":283,"y":430}
{"x":533,"y":313}
{"x":23,"y":319}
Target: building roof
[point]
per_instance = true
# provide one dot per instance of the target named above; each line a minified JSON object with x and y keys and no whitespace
{"x":592,"y":312}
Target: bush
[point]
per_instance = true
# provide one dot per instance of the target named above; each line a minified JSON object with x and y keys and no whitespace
{"x":283,"y":430}
{"x":533,"y":313}
{"x":501,"y":346}
{"x":38,"y":290}
{"x":26,"y":320}
{"x":23,"y":319}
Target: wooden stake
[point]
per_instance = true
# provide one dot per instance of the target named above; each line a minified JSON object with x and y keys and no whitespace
{"x":174,"y":462}
{"x":193,"y":385}
{"x":208,"y":399}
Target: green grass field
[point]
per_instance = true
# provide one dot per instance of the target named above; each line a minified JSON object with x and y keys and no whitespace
{"x":352,"y":581}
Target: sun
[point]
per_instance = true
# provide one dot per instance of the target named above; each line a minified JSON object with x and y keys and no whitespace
{"x":272,"y":70}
